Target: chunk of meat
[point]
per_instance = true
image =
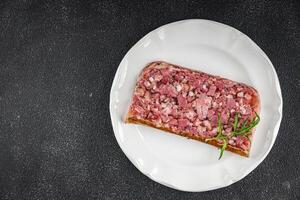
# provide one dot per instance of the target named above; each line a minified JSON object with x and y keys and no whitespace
{"x":183,"y":123}
{"x":242,"y":142}
{"x":182,"y":101}
{"x":168,"y":90}
{"x":212,"y":90}
{"x":202,"y":104}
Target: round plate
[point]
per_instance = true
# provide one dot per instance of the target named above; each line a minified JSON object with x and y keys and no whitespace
{"x":211,"y":47}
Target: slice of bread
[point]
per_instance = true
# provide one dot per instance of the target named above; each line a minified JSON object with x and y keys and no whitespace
{"x":148,"y":108}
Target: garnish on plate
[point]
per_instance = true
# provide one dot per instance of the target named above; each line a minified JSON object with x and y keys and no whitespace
{"x":246,"y":127}
{"x":220,"y":136}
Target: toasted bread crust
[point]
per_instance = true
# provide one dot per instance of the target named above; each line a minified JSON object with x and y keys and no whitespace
{"x":133,"y":120}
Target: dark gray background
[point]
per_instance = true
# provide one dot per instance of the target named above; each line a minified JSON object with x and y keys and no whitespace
{"x":57,"y":63}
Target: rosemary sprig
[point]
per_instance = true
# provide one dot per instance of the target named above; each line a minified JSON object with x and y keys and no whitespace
{"x":225,"y":143}
{"x":236,"y":121}
{"x":246,"y":127}
{"x":244,"y":130}
{"x":220,"y":137}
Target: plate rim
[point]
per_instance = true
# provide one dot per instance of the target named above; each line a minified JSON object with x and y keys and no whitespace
{"x":275,"y":128}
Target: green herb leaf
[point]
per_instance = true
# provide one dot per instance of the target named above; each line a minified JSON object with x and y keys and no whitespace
{"x":244,"y":123}
{"x":236,"y":121}
{"x":245,"y":130}
{"x":220,"y":137}
{"x":246,"y":127}
{"x":225,"y":142}
{"x":220,"y":126}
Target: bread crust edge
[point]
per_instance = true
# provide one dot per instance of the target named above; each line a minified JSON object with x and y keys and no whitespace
{"x":133,"y":120}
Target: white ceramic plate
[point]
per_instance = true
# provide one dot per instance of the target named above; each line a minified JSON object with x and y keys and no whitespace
{"x":214,"y":48}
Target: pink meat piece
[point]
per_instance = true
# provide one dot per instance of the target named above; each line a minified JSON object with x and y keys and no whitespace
{"x":242,"y":142}
{"x":202,"y":104}
{"x":182,"y":101}
{"x":219,"y":84}
{"x":173,"y":122}
{"x":167,"y":110}
{"x":207,"y":124}
{"x":182,"y":123}
{"x":197,"y":83}
{"x":212,"y":90}
{"x":190,"y":114}
{"x":228,"y":83}
{"x":158,"y":77}
{"x":139,"y":92}
{"x":245,"y":109}
{"x":179,"y":76}
{"x":214,"y":120}
{"x":224,"y":117}
{"x":230,"y":103}
{"x":210,"y":113}
{"x":139,"y":109}
{"x":168,"y":90}
{"x":165,"y":76}
{"x":174,"y":112}
{"x":194,"y":130}
{"x":165,"y":118}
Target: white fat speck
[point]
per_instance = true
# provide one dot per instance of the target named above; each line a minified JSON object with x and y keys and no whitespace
{"x":197,"y":122}
{"x":201,"y":129}
{"x":204,"y":87}
{"x":147,"y":83}
{"x":215,"y":105}
{"x":178,"y":88}
{"x":248,"y":97}
{"x":207,"y":124}
{"x":243,"y":110}
{"x":231,"y":142}
{"x":91,"y":94}
{"x":214,"y":130}
{"x":240,"y":94}
{"x":229,"y":96}
{"x":191,"y":94}
{"x":151,"y":79}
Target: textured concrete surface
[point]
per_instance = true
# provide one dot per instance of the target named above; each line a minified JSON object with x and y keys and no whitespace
{"x":57,"y":63}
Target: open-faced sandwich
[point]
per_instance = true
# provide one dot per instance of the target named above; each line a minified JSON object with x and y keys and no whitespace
{"x":196,"y":105}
